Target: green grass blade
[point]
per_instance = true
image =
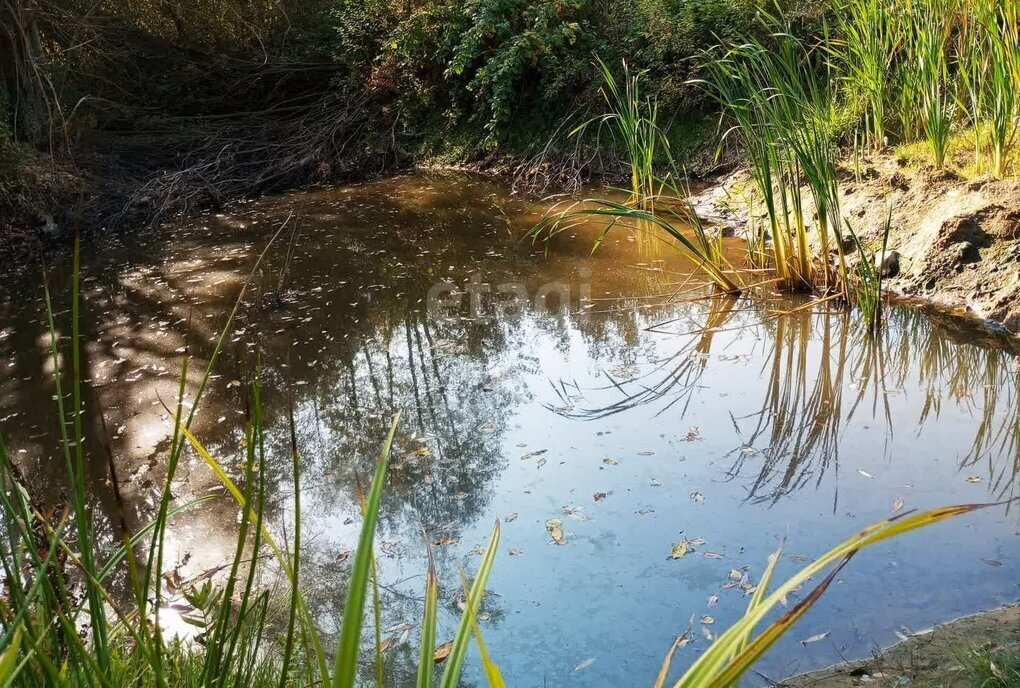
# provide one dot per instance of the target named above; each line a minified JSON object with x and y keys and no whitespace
{"x":426,"y":664}
{"x":717,"y":659}
{"x":455,"y":662}
{"x":345,"y":666}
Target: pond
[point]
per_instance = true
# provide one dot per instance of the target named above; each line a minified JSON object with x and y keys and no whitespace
{"x":611,"y":391}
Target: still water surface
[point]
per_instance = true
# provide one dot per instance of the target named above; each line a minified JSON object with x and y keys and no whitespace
{"x":603,"y":390}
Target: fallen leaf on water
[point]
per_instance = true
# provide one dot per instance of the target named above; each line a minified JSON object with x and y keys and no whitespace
{"x":646,"y":453}
{"x":484,"y":616}
{"x":576,"y":513}
{"x":477,"y":550}
{"x":992,"y":562}
{"x":585,"y":664}
{"x":867,"y":475}
{"x":897,"y":504}
{"x":698,"y":541}
{"x":460,"y":495}
{"x":534,"y":453}
{"x":656,"y":482}
{"x":554,"y":526}
{"x":711,"y":555}
{"x":516,"y":552}
{"x":712,"y":600}
{"x":447,"y":540}
{"x":599,"y":496}
{"x":443,"y":651}
{"x":680,"y":549}
{"x":539,"y":463}
{"x":342,"y":556}
{"x":707,"y":620}
{"x":815,"y":638}
{"x":509,"y":518}
{"x":697,"y":497}
{"x":974,"y":479}
{"x":609,"y":462}
{"x":705,"y":631}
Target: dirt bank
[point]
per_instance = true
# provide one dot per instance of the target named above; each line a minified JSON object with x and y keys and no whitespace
{"x":937,"y":657}
{"x":958,"y":240}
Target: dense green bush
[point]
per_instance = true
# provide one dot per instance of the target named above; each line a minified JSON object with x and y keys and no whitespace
{"x":507,"y":72}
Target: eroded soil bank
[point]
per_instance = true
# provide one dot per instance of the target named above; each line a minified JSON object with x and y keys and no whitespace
{"x":958,"y":240}
{"x":935,"y":657}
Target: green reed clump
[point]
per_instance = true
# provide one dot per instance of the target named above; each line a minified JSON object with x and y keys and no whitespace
{"x":633,"y":120}
{"x":864,"y":47}
{"x":866,"y":277}
{"x":929,"y":34}
{"x":780,"y":99}
{"x":989,"y":69}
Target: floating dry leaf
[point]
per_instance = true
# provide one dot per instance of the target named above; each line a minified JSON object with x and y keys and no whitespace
{"x":974,"y":479}
{"x":655,"y":482}
{"x":599,"y":496}
{"x":708,"y":620}
{"x":897,"y":504}
{"x":515,"y":552}
{"x":510,"y":518}
{"x":680,"y":549}
{"x":712,"y":555}
{"x":555,"y":528}
{"x":539,"y":463}
{"x":341,"y":557}
{"x":867,"y":475}
{"x":815,"y":638}
{"x":646,"y":453}
{"x":443,"y":651}
{"x":992,"y":562}
{"x":477,"y":550}
{"x":712,"y":600}
{"x":534,"y":453}
{"x":585,"y":664}
{"x":707,"y":632}
{"x":697,"y":497}
{"x":447,"y":540}
{"x":576,"y":513}
{"x":609,"y":462}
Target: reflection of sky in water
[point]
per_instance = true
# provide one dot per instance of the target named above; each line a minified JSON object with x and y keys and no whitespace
{"x":763,"y":427}
{"x":613,"y":594}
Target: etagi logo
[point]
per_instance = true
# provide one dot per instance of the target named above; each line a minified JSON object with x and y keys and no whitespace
{"x":486,"y":302}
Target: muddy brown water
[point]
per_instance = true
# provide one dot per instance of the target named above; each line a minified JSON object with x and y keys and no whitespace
{"x":610,"y":391}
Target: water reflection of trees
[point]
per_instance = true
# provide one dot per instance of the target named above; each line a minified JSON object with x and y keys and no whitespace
{"x":821,"y":369}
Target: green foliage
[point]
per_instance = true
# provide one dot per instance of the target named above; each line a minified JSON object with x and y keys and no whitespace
{"x":514,"y":49}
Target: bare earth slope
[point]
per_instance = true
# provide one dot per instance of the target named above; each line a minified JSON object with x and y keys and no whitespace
{"x":958,"y":240}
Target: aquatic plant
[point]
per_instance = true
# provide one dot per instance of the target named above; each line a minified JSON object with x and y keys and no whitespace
{"x":864,"y":48}
{"x":633,"y":120}
{"x":783,"y":109}
{"x":669,"y":217}
{"x":866,"y":279}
